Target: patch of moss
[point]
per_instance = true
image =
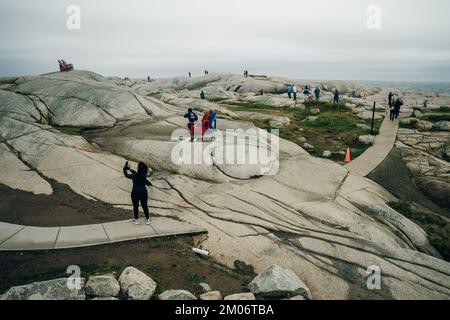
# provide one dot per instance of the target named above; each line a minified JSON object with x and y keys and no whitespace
{"x":74,"y":131}
{"x":436,"y":117}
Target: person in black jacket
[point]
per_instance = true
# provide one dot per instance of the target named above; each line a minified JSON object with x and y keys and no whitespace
{"x":139,"y":192}
{"x":192,"y":118}
{"x":397,"y":106}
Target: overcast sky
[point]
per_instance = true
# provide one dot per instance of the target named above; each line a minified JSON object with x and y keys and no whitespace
{"x":314,"y":39}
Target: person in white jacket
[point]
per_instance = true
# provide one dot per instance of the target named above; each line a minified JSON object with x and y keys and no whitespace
{"x":294,"y":91}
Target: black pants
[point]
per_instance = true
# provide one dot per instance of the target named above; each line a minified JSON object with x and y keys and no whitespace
{"x":392,"y":115}
{"x":142,"y":198}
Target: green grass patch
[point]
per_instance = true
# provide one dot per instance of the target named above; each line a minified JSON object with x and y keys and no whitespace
{"x":443,"y":109}
{"x":335,"y":128}
{"x":437,"y":229}
{"x":74,"y":131}
{"x":436,"y":117}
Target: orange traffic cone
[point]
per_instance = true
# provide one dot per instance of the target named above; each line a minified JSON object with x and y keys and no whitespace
{"x":347,"y":156}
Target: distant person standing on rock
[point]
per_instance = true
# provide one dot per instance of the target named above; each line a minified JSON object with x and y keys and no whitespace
{"x":190,"y":75}
{"x":294,"y":92}
{"x":202,"y":95}
{"x":425,"y":101}
{"x":306,"y":93}
{"x":317,"y":94}
{"x":139,"y":192}
{"x":289,"y":91}
{"x":336,"y":97}
{"x":192,"y":118}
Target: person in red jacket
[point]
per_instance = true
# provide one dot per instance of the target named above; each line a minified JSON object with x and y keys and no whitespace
{"x":205,"y":123}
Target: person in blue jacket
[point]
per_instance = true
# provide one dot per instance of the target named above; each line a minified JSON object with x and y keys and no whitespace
{"x":289,"y":91}
{"x":212,"y":119}
{"x":317,"y":94}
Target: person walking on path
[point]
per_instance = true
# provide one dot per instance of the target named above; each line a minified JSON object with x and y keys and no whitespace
{"x":192,"y":118}
{"x":397,"y":106}
{"x":317,"y":94}
{"x":425,"y":101}
{"x":289,"y":91}
{"x":294,"y":92}
{"x":336,"y":97}
{"x":391,"y":111}
{"x":139,"y":192}
{"x":390,"y":96}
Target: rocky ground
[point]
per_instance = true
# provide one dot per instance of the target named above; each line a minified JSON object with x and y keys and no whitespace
{"x":312,"y":216}
{"x":133,"y":284}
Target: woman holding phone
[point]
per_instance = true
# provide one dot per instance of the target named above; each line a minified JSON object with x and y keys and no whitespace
{"x":139,"y":192}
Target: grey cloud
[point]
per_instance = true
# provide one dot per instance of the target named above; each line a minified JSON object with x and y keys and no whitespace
{"x":325,"y":39}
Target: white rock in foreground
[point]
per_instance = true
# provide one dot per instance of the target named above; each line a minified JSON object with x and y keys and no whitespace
{"x":177,"y":295}
{"x":367,"y":140}
{"x":241,"y":296}
{"x":102,"y":286}
{"x":277,"y":282}
{"x":213,"y":295}
{"x":136,"y":285}
{"x":56,"y":289}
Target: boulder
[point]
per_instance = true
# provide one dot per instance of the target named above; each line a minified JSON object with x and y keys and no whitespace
{"x":136,"y":285}
{"x":417,"y":113}
{"x":213,"y":295}
{"x":205,"y":287}
{"x":362,"y":126}
{"x":279,"y":122}
{"x":277,"y":282}
{"x":308,"y":146}
{"x":314,"y":111}
{"x":102,"y":286}
{"x":56,"y":289}
{"x":177,"y":295}
{"x":241,"y":296}
{"x":367,"y":139}
{"x":424,"y":125}
{"x":297,"y":298}
{"x":326,"y":154}
{"x":366,"y":115}
{"x":442,"y":126}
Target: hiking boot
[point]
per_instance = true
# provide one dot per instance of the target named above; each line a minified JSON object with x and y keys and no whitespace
{"x":135,"y":221}
{"x":147,"y":222}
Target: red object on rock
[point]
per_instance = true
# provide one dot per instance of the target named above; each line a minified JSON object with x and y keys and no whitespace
{"x":205,"y":123}
{"x":63,"y":66}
